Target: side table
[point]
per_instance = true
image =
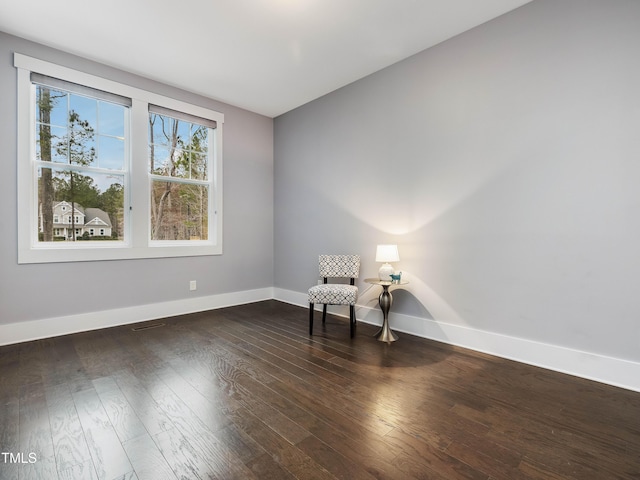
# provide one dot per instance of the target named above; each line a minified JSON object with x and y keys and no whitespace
{"x":385,"y":300}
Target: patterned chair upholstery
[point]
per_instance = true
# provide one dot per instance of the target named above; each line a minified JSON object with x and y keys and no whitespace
{"x":336,"y":266}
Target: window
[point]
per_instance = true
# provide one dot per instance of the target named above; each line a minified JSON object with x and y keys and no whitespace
{"x":144,"y":168}
{"x":179,"y":168}
{"x":80,"y":153}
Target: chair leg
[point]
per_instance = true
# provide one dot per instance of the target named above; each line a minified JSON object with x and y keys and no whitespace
{"x":324,"y":313}
{"x":311,"y":319}
{"x":352,"y":319}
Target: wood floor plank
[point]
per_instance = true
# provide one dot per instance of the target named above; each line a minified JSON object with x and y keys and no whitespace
{"x":430,"y":454}
{"x":209,"y":410}
{"x":146,"y":409}
{"x":35,"y":435}
{"x":287,"y":455}
{"x":81,"y":471}
{"x":331,"y":459}
{"x":120,"y":412}
{"x":109,"y":458}
{"x":148,"y":461}
{"x":266,"y":468}
{"x":69,"y":443}
{"x":412,"y":468}
{"x":68,"y":366}
{"x":184,"y":460}
{"x":9,"y":435}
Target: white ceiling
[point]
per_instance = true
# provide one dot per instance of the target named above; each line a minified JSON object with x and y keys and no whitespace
{"x":268,"y":56}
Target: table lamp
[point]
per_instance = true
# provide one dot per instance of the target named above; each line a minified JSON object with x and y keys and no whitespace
{"x":386,"y":254}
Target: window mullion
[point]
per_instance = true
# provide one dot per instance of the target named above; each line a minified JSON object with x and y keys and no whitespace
{"x":140,"y":191}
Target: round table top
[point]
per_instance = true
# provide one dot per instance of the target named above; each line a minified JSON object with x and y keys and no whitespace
{"x":377,"y":281}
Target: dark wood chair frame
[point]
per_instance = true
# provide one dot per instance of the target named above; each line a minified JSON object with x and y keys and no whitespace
{"x":352,"y":312}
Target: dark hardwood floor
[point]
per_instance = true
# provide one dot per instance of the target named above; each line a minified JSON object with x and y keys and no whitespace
{"x":244,"y":392}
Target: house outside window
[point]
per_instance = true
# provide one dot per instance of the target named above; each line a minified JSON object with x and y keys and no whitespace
{"x":142,"y":169}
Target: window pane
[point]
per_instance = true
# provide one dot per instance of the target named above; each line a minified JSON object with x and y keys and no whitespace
{"x":178,"y":148}
{"x":51,"y":106}
{"x":179,"y":211}
{"x":169,"y":162}
{"x":199,"y":166}
{"x":200,"y":139}
{"x":183,"y":130}
{"x":160,"y":163}
{"x":180,"y":164}
{"x":86,"y":109}
{"x":111,"y":119}
{"x":111,"y":153}
{"x":79,"y":147}
{"x":96,"y":200}
{"x":159,"y":130}
{"x":48,"y":138}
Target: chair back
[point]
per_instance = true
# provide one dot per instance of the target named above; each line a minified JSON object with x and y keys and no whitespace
{"x":339,"y":266}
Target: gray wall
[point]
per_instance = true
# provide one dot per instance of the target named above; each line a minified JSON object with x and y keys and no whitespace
{"x":31,"y":292}
{"x":504,"y":163}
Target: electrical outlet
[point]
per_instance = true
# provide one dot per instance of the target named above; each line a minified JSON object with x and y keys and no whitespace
{"x":193,"y":285}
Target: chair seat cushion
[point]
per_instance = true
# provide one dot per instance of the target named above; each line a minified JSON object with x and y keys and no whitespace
{"x":333,"y":294}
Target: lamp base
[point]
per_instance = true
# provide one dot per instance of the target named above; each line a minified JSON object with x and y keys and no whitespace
{"x":385,"y":272}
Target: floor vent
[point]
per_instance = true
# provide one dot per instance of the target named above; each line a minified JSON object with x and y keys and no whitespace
{"x":147,"y":327}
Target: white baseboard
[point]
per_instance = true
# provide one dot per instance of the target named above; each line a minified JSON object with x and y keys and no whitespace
{"x":53,"y":327}
{"x":592,"y":366}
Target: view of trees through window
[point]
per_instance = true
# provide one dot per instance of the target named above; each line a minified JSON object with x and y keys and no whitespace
{"x":81,"y":162}
{"x":110,"y":171}
{"x":179,"y":164}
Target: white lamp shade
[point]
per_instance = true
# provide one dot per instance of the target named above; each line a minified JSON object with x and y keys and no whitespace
{"x":387,"y":253}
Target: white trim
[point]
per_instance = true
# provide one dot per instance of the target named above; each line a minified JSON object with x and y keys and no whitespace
{"x":53,"y":327}
{"x":601,"y":368}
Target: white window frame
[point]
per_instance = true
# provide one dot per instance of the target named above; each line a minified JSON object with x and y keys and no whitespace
{"x":137,"y":242}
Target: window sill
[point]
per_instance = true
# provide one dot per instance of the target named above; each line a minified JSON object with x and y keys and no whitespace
{"x":101,"y":252}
